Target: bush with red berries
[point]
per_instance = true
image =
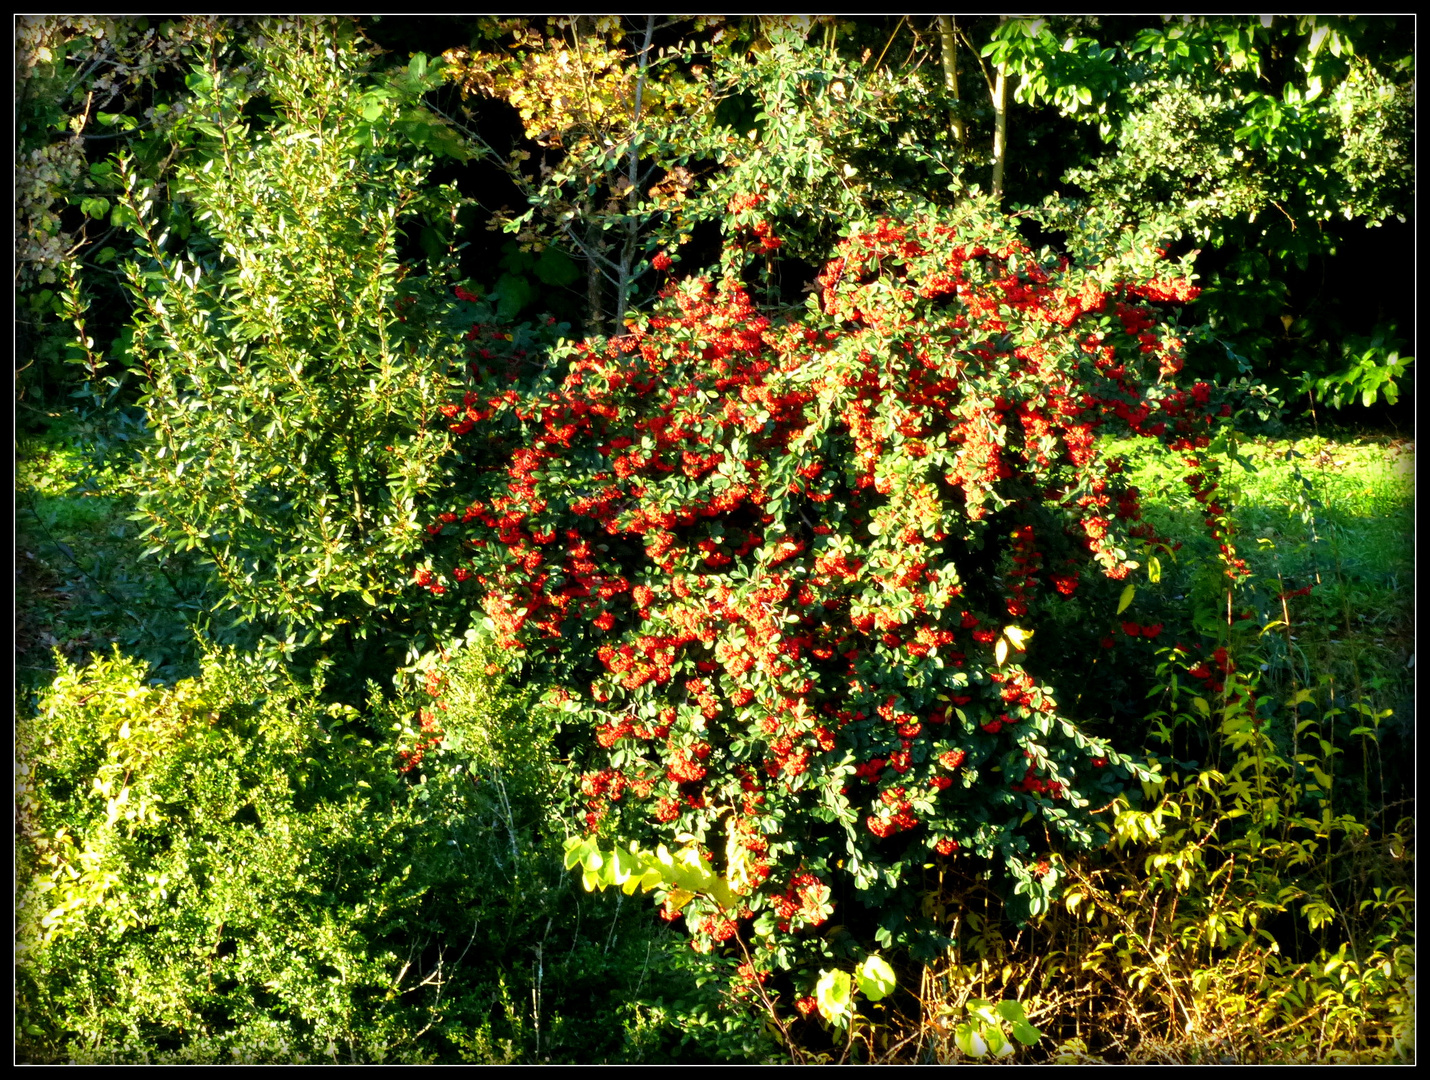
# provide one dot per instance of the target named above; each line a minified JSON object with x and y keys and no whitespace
{"x":792,"y":571}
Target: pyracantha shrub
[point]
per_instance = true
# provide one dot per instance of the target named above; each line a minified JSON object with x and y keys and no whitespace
{"x":808,"y":559}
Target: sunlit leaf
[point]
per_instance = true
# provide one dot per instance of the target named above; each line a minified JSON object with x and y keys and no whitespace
{"x":875,"y":978}
{"x":1125,"y":600}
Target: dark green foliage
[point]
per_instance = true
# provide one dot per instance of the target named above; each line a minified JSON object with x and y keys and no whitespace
{"x":1269,"y":143}
{"x":86,"y":87}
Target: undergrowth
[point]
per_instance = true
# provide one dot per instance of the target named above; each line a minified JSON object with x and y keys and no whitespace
{"x":1255,"y":906}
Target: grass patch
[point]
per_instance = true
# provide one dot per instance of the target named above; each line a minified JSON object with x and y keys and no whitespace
{"x":81,"y":583}
{"x":1336,"y":514}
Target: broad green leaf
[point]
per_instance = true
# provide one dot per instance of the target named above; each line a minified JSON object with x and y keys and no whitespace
{"x":983,"y":1010}
{"x":1026,"y":1033}
{"x":998,"y":1043}
{"x":875,"y":978}
{"x":1012,"y":1011}
{"x":970,"y":1040}
{"x":623,"y":865}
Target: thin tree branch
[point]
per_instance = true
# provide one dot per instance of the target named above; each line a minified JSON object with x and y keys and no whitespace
{"x":895,"y":34}
{"x":987,"y":75}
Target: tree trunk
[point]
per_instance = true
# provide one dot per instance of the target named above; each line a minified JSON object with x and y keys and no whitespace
{"x":948,"y":41}
{"x":1000,"y":131}
{"x":595,"y":303}
{"x":633,"y":178}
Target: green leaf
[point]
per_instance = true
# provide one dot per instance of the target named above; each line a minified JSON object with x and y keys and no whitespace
{"x":875,"y":978}
{"x":969,"y":1039}
{"x":833,"y":995}
{"x":575,"y":849}
{"x":1012,"y":1011}
{"x":592,"y":858}
{"x":998,"y":1042}
{"x":1125,"y":600}
{"x":623,"y":866}
{"x":1026,"y":1033}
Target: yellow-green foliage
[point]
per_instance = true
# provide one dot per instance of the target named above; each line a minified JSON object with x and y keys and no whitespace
{"x":135,"y":733}
{"x":220,"y":868}
{"x":231,"y":868}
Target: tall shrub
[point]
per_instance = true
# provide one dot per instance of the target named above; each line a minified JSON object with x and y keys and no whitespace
{"x":294,"y":350}
{"x":810,"y":559}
